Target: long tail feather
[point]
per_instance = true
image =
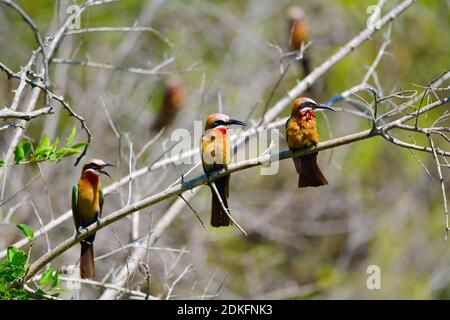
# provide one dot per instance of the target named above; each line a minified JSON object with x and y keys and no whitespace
{"x":298,"y":164}
{"x":311,"y":175}
{"x":87,"y":265}
{"x":219,"y":217}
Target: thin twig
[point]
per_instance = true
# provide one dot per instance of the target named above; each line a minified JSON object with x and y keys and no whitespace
{"x":7,"y":113}
{"x":442,"y":182}
{"x":225,"y":209}
{"x":186,"y":270}
{"x":121,"y":29}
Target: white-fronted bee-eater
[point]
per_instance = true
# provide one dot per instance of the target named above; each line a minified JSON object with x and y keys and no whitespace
{"x":216,"y":154}
{"x":87,"y":204}
{"x":301,"y":133}
{"x":174,"y":100}
{"x":298,"y":34}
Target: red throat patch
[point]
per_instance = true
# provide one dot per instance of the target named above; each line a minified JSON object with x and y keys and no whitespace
{"x":223,"y":130}
{"x":308,"y":114}
{"x":91,"y":177}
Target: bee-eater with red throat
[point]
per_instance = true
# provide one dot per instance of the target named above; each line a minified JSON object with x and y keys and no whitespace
{"x":216,"y":154}
{"x":87,"y":205}
{"x":301,"y":133}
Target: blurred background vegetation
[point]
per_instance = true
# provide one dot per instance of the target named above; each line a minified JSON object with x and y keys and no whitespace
{"x":381,"y":207}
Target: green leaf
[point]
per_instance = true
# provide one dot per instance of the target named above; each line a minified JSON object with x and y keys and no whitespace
{"x":21,"y":150}
{"x":26,"y":146}
{"x":19,"y":259}
{"x":40,"y":292}
{"x":19,"y":294}
{"x":2,"y":163}
{"x":45,"y":150}
{"x":27,"y":231}
{"x":69,"y":140}
{"x":44,"y":144}
{"x":46,"y":278}
{"x":16,"y":257}
{"x":42,"y":154}
{"x":52,"y":153}
{"x":79,"y":145}
{"x":18,"y":153}
{"x":56,"y":280}
{"x":55,"y":144}
{"x":11,"y":251}
{"x":66,"y":152}
{"x":50,"y":277}
{"x":18,"y":268}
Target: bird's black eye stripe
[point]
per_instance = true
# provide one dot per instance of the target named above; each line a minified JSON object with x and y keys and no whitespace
{"x":306,"y":104}
{"x":91,"y":166}
{"x":219,"y":123}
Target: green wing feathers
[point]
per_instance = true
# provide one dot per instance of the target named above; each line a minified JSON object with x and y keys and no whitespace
{"x":75,"y":212}
{"x":102,"y":196}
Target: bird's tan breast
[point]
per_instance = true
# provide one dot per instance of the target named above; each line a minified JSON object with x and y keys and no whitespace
{"x":215,"y":149}
{"x":299,"y":34}
{"x":88,"y":198}
{"x":301,"y":133}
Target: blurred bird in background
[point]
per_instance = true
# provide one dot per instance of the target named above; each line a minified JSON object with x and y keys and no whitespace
{"x":298,"y":34}
{"x":173,"y":100}
{"x":301,"y":132}
{"x":216,"y":154}
{"x":87,"y":204}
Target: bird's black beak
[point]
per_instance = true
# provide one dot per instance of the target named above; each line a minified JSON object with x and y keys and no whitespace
{"x":323,"y":106}
{"x":104,"y":172}
{"x":237,"y":122}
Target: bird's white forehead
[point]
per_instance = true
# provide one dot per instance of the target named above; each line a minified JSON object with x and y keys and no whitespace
{"x":310,"y":100}
{"x":295,"y":12}
{"x":220,"y":116}
{"x":98,"y":162}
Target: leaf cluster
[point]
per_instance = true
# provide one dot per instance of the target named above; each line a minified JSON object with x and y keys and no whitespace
{"x":46,"y":150}
{"x":14,"y":267}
